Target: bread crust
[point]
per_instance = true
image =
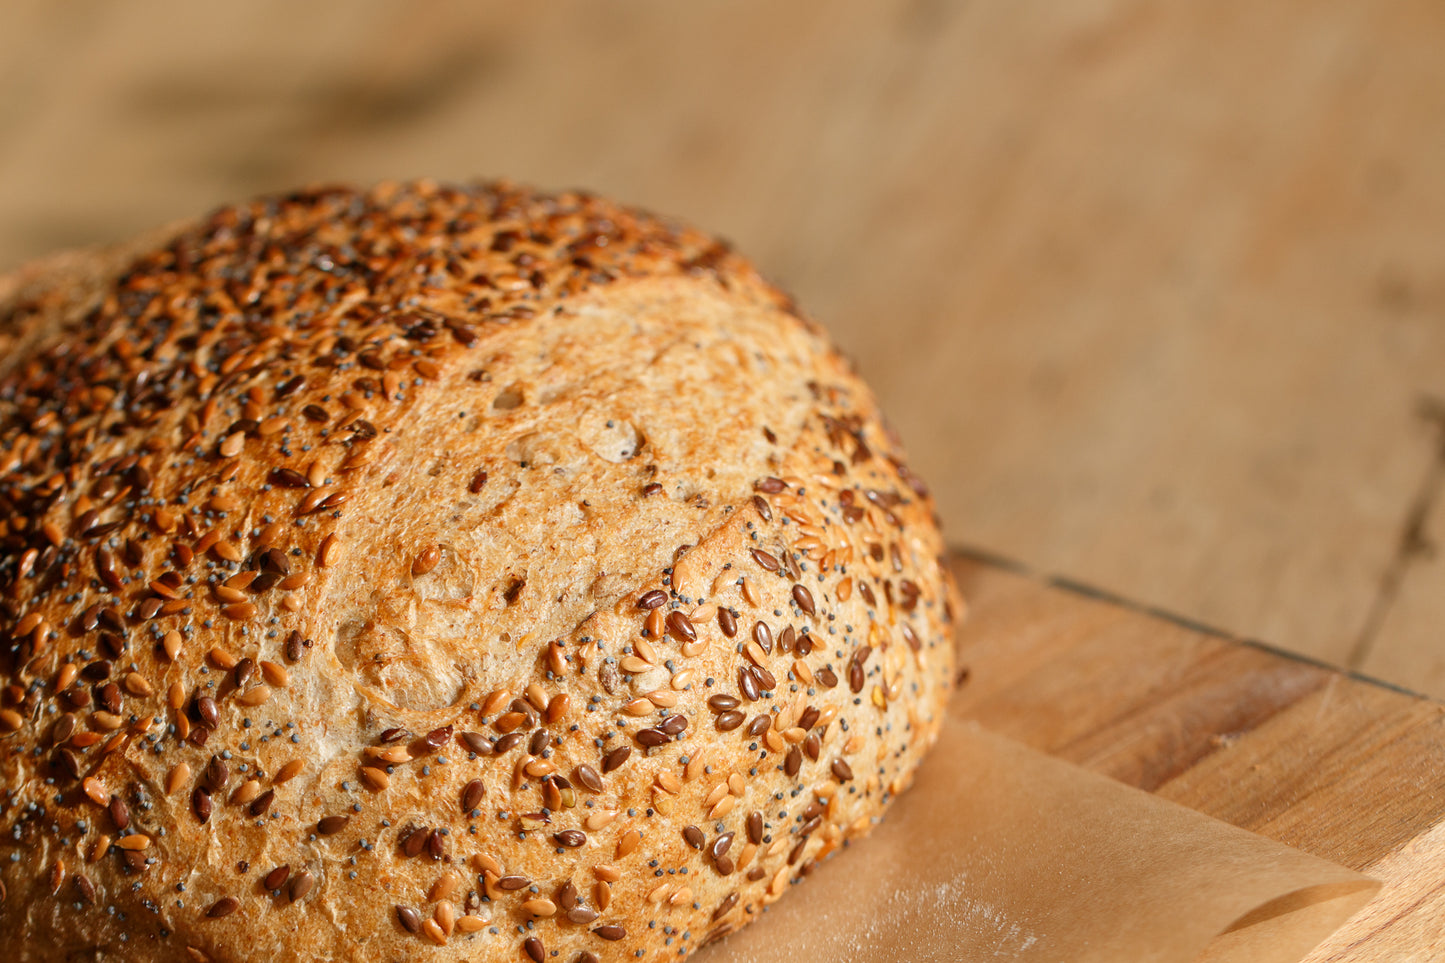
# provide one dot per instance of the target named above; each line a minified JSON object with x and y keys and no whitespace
{"x":436,"y":572}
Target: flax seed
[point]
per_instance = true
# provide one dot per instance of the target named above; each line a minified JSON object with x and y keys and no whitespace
{"x":680,"y":627}
{"x":277,"y":877}
{"x":179,"y":775}
{"x":428,"y":559}
{"x":377,"y":779}
{"x":289,"y":771}
{"x":750,"y":592}
{"x":755,"y":652}
{"x":633,"y":665}
{"x":68,"y":674}
{"x":222,"y":907}
{"x":645,"y":651}
{"x":615,"y":758}
{"x":246,"y":793}
{"x":598,"y":819}
{"x":538,"y":768}
{"x":217,"y":774}
{"x":262,"y":803}
{"x":539,"y":907}
{"x":662,"y":698}
{"x":445,"y":917}
{"x":300,"y":886}
{"x":254,"y":697}
{"x":729,"y":720}
{"x":228,"y":551}
{"x":748,"y":684}
{"x":275,"y":674}
{"x":107,"y":721}
{"x":224,"y":593}
{"x":331,"y":825}
{"x":94,"y":790}
{"x":495,"y":701}
{"x":311,"y":501}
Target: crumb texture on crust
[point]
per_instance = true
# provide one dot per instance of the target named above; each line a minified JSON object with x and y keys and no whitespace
{"x":443,"y":573}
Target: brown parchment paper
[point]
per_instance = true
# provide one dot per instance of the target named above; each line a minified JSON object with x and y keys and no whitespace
{"x":999,"y":852}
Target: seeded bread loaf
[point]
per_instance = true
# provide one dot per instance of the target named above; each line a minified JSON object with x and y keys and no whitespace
{"x":440,"y":573}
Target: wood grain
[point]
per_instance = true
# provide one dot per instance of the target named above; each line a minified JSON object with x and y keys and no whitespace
{"x":1155,"y":287}
{"x":1332,"y":764}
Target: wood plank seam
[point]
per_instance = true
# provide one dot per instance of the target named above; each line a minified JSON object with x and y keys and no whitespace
{"x":1084,"y":590}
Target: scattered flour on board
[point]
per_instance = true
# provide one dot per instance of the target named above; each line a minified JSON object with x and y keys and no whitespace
{"x":932,"y":921}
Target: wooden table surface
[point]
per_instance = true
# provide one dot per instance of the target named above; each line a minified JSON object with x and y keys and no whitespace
{"x":1153,"y":290}
{"x":1332,"y":764}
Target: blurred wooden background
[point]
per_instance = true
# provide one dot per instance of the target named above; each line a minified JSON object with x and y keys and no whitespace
{"x":1155,"y":291}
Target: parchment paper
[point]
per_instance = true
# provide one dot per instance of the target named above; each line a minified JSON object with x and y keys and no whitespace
{"x":999,"y":852}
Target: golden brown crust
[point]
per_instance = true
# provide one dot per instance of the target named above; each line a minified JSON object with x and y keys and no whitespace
{"x":440,"y":572}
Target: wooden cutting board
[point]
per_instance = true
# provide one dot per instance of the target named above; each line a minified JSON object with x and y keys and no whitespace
{"x":1331,"y":763}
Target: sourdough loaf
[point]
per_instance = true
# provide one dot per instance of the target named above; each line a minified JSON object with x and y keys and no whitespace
{"x":444,"y":573}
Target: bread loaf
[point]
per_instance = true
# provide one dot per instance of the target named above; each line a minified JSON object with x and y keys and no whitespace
{"x":440,"y":573}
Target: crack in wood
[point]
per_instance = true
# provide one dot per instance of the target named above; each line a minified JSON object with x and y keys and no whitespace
{"x":1413,"y":544}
